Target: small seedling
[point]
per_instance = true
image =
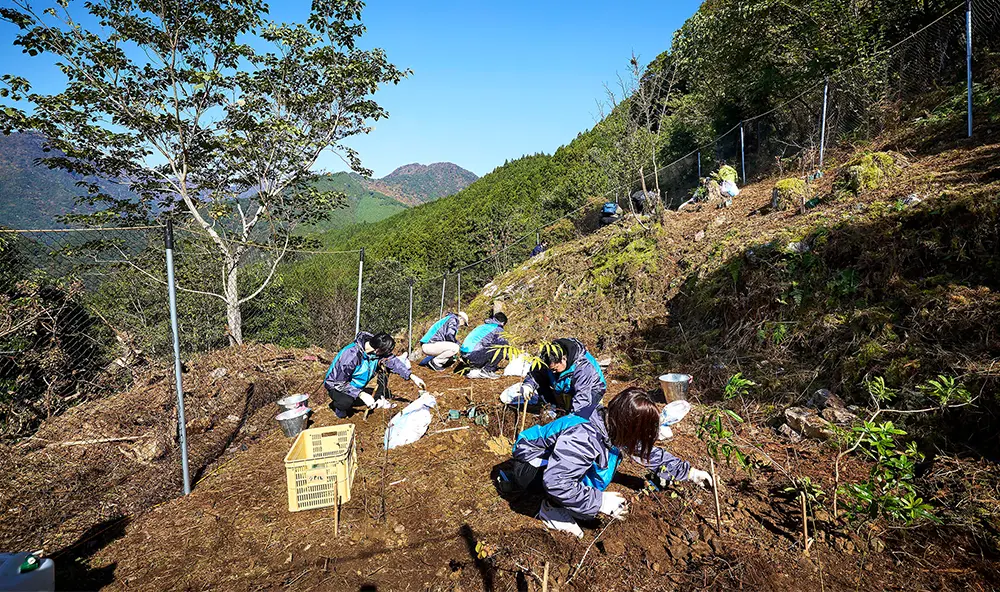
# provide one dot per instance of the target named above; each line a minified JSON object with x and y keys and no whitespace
{"x":809,"y":494}
{"x":737,"y":386}
{"x":511,"y":351}
{"x":714,"y":431}
{"x":945,"y":391}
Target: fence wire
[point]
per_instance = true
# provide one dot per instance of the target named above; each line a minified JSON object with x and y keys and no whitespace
{"x":80,"y":305}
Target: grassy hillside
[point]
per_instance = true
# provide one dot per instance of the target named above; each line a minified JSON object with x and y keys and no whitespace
{"x":363,"y":205}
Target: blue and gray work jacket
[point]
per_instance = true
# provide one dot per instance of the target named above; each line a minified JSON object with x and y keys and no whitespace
{"x":483,"y":339}
{"x":353,"y":368}
{"x":446,"y":329}
{"x":581,"y":386}
{"x":579,"y":462}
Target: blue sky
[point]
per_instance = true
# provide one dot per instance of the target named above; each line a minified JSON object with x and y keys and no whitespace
{"x":491,"y":80}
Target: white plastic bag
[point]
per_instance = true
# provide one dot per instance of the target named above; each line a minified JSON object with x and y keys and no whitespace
{"x":729,"y":188}
{"x":519,"y":366}
{"x":407,"y":426}
{"x":671,"y":414}
{"x":512,"y":395}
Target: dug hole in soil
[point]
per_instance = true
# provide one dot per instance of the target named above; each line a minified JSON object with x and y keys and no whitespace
{"x":109,"y":514}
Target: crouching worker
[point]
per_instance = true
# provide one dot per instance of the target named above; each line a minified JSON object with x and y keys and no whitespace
{"x":352,"y":370}
{"x":573,"y":460}
{"x":570,"y":379}
{"x":440,"y":343}
{"x":479,"y":347}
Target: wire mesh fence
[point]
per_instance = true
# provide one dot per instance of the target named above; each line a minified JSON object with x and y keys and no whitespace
{"x":77,"y":310}
{"x":80,"y":308}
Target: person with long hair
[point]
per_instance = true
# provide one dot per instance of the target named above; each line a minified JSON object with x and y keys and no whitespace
{"x":573,"y":460}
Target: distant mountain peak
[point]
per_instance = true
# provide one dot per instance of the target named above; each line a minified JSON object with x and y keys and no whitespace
{"x":415,"y":183}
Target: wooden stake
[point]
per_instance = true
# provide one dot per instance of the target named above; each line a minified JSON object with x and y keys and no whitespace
{"x":715,"y":493}
{"x":805,"y":525}
{"x":545,"y":578}
{"x":336,"y":513}
{"x":524,"y":416}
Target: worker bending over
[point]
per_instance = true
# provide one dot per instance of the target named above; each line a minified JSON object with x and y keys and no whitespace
{"x":440,"y":343}
{"x":573,"y":460}
{"x":570,"y":379}
{"x":352,"y":370}
{"x":479,"y":347}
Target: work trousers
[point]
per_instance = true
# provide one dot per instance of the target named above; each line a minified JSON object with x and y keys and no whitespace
{"x":483,"y":359}
{"x":344,"y":402}
{"x":443,"y":351}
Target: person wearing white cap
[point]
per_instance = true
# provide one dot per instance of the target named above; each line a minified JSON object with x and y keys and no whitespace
{"x":440,"y":344}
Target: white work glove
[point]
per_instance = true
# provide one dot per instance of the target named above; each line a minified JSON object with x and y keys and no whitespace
{"x":558,"y":518}
{"x":367,"y":399}
{"x":526,"y":391}
{"x":665,"y":433}
{"x":701,"y":478}
{"x":418,"y":381}
{"x":613,"y":504}
{"x":383,"y":404}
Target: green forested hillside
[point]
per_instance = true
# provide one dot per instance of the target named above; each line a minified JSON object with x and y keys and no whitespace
{"x":33,"y":196}
{"x":727,"y":63}
{"x":362,"y":205}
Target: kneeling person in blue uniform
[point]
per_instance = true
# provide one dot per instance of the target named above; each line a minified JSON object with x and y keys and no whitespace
{"x":570,"y":379}
{"x":479,"y":347}
{"x":354,"y":366}
{"x":440,"y":343}
{"x":573,"y":460}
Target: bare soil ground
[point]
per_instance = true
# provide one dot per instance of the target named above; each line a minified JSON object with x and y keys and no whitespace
{"x":418,"y":512}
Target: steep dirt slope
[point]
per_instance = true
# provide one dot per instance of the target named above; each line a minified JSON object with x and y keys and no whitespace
{"x":418,"y":512}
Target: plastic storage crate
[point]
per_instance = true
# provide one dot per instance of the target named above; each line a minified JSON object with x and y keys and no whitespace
{"x":320,"y":468}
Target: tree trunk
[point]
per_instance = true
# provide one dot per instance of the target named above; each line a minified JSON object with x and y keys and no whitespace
{"x":234,"y":318}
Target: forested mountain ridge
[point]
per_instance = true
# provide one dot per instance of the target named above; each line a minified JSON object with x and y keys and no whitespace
{"x":414,"y":184}
{"x":728,"y":63}
{"x":35,"y":196}
{"x":32,"y":195}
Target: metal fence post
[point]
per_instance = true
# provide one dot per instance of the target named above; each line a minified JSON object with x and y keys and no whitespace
{"x":460,"y":291}
{"x":822,"y":128}
{"x":444,"y":282}
{"x":968,"y":57}
{"x":357,"y":310}
{"x":743,"y":160}
{"x":699,"y":165}
{"x":168,"y":239}
{"x":409,"y":331}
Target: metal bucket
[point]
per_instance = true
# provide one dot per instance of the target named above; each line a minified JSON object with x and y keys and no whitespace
{"x":293,"y":402}
{"x":675,"y":386}
{"x":294,"y":421}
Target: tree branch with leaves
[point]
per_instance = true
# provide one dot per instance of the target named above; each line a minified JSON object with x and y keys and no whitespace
{"x":206,"y":112}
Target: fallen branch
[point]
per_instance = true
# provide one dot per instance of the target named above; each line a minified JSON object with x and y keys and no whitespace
{"x":449,"y":430}
{"x":584,"y":558}
{"x":102,"y":440}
